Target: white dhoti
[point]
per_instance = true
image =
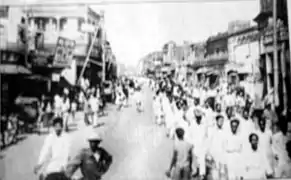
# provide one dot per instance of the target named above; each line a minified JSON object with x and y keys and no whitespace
{"x":234,"y":165}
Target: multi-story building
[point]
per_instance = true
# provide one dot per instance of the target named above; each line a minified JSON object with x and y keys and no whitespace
{"x":210,"y":67}
{"x":243,"y":49}
{"x":276,"y":74}
{"x":30,"y":43}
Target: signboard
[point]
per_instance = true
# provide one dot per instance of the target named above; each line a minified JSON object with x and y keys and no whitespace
{"x":64,"y":52}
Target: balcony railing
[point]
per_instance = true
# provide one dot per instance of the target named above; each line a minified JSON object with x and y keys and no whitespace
{"x":282,"y":35}
{"x":213,"y":59}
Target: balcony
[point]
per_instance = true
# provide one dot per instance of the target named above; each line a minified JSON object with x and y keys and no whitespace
{"x":211,"y":60}
{"x":282,"y":35}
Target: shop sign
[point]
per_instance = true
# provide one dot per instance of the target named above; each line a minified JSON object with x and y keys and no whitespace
{"x":248,"y":38}
{"x":64,"y":52}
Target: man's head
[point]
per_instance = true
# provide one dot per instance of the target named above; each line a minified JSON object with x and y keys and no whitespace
{"x":245,"y":114}
{"x":229,"y":111}
{"x":254,"y":139}
{"x":262,"y":124}
{"x":94,"y":144}
{"x":218,"y":107}
{"x":58,"y":125}
{"x":276,"y":128}
{"x":180,"y":133}
{"x":198,"y":116}
{"x":234,"y":125}
{"x":196,"y":101}
{"x":219,"y":121}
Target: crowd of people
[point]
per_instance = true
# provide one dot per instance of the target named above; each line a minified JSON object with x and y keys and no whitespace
{"x":219,"y":134}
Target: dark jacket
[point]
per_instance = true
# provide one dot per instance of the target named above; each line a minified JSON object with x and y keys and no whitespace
{"x":90,"y":168}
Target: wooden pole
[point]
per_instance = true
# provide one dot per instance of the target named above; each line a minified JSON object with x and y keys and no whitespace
{"x":88,"y":55}
{"x":275,"y":52}
{"x":283,"y":70}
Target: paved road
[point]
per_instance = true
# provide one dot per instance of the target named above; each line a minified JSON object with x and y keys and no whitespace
{"x":139,"y":148}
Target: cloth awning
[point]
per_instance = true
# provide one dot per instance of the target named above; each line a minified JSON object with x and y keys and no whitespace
{"x":13,"y":69}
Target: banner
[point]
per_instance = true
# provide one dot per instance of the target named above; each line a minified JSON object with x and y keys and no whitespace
{"x":64,"y":52}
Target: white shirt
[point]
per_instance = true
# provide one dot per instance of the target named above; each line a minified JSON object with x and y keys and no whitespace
{"x":93,"y":103}
{"x":265,"y":139}
{"x":217,"y":139}
{"x":255,"y":165}
{"x":55,"y":152}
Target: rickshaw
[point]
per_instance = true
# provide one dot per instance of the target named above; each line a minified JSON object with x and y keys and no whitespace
{"x":27,"y":114}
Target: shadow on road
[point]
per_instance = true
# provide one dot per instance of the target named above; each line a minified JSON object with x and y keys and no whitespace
{"x":17,"y":141}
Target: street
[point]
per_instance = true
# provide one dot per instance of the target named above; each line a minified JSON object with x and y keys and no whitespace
{"x":139,"y":148}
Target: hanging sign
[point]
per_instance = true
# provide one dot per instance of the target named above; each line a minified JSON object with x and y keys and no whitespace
{"x":64,"y":52}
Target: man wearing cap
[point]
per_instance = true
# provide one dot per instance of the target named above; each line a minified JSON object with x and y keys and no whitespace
{"x":93,"y":162}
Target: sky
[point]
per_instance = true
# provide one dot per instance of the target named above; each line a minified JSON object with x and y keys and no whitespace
{"x":134,"y":30}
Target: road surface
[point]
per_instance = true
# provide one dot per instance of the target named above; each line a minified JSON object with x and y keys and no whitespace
{"x":139,"y":148}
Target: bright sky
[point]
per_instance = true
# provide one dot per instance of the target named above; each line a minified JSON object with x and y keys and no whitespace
{"x":135,"y":30}
{"x":138,"y":29}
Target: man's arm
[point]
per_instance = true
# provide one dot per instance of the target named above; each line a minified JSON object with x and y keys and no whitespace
{"x":45,"y":151}
{"x":74,"y":164}
{"x":107,"y":159}
{"x":174,"y":160}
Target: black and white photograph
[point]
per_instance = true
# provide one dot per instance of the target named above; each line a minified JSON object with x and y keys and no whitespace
{"x":145,"y":89}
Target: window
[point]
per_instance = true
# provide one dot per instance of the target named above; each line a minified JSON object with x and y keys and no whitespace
{"x":4,"y":11}
{"x":71,"y":23}
{"x":43,"y":23}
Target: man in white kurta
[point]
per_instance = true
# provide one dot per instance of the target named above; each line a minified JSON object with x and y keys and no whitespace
{"x":54,"y":154}
{"x":233,"y":147}
{"x":197,"y":137}
{"x":255,"y":163}
{"x":265,"y":140}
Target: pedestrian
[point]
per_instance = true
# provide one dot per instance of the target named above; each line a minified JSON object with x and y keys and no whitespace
{"x":233,"y":147}
{"x":93,"y":162}
{"x":94,"y":106}
{"x":216,"y":152}
{"x":280,"y":154}
{"x":180,"y":168}
{"x":255,"y":163}
{"x":54,"y":154}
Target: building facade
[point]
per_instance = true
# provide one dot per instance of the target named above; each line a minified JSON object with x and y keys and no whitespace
{"x":275,"y":61}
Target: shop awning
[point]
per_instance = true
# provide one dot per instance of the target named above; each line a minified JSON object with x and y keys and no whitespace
{"x":13,"y":69}
{"x":38,"y":77}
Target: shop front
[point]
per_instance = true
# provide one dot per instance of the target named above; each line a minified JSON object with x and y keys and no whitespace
{"x":13,"y":72}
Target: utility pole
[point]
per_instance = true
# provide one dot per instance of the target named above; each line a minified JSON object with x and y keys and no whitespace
{"x":88,"y":55}
{"x":275,"y":53}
